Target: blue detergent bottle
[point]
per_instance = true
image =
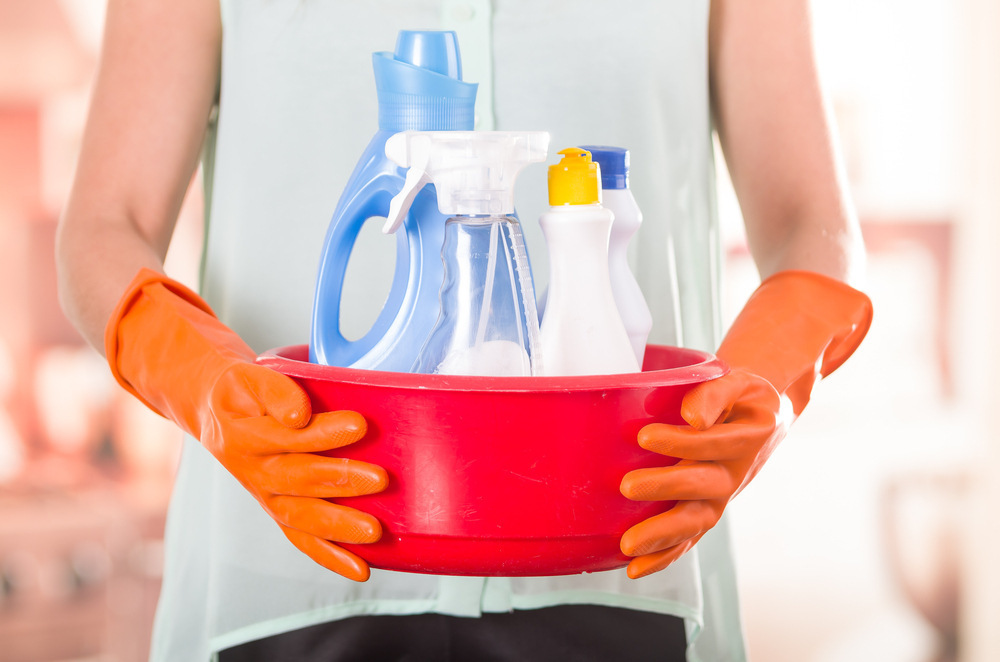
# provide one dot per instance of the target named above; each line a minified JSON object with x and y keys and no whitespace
{"x":419,"y":88}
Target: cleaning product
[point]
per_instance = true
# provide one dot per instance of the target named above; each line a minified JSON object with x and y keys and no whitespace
{"x":617,"y":197}
{"x":582,"y":332}
{"x":419,"y":87}
{"x":488,"y":324}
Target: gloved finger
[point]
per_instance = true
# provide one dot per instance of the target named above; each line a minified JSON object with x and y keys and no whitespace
{"x":726,"y":441}
{"x":330,"y":521}
{"x":309,"y":475}
{"x":330,"y":556}
{"x":283,"y":399}
{"x":250,"y":390}
{"x":685,"y":520}
{"x":714,"y":401}
{"x":647,"y":564}
{"x":264,"y":435}
{"x":709,"y":402}
{"x":683,"y":481}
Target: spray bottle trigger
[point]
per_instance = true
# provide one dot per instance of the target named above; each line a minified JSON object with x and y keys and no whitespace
{"x":416,"y":179}
{"x":398,"y":150}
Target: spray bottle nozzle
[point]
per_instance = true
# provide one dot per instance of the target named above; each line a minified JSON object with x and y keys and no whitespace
{"x":473,"y":171}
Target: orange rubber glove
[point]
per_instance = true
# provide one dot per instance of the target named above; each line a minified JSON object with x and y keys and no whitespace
{"x":167,"y":348}
{"x":797,"y":327}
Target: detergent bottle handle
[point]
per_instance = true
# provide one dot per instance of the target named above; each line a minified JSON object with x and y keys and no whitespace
{"x":328,"y":344}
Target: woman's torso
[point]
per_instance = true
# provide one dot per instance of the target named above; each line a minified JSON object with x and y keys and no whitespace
{"x":297,"y":108}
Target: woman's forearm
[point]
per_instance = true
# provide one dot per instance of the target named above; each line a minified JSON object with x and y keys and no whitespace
{"x":775,"y":129}
{"x":153,"y":95}
{"x":96,"y":260}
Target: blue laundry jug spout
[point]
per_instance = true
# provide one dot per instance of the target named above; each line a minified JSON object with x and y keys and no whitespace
{"x":420,"y":84}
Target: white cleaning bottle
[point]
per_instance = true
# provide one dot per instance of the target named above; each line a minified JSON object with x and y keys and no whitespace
{"x":617,"y":197}
{"x":488,"y":324}
{"x":582,"y":332}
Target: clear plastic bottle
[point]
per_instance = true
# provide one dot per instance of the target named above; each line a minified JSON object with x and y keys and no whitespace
{"x":582,"y":332}
{"x":488,"y":324}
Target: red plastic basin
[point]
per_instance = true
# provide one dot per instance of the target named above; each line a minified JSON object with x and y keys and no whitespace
{"x":511,"y":476}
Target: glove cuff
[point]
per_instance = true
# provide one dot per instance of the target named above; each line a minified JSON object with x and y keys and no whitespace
{"x":796,"y":328}
{"x":166,"y":347}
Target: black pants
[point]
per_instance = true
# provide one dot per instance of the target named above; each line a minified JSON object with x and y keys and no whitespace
{"x":567,"y":633}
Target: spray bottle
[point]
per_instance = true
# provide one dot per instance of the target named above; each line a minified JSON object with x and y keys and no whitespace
{"x":419,"y":88}
{"x":617,"y":197}
{"x":488,"y":324}
{"x":582,"y":332}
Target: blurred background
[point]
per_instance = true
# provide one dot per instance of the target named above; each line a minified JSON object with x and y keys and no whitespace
{"x":870,"y":535}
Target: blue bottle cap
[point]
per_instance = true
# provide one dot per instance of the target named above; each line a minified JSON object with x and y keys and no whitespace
{"x":614,"y":162}
{"x":435,"y":51}
{"x":419,"y":86}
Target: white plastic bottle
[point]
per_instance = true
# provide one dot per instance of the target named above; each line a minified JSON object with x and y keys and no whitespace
{"x":617,"y":197}
{"x":582,"y":332}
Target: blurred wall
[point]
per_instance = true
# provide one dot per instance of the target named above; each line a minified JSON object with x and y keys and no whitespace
{"x":978,"y":325}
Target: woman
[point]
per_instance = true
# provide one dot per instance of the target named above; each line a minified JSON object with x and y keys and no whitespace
{"x":291,"y":83}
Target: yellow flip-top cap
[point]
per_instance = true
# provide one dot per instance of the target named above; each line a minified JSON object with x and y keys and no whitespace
{"x":576,"y":180}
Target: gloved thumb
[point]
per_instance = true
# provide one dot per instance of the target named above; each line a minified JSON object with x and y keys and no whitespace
{"x":711,"y":402}
{"x":278,"y":395}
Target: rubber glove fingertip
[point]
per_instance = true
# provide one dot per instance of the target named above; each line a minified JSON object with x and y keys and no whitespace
{"x":632,"y":543}
{"x":701,"y":408}
{"x":643,"y":566}
{"x":360,"y":574}
{"x":650,"y":435}
{"x":695,"y":419}
{"x":352,"y":423}
{"x":635,"y":571}
{"x":352,"y":567}
{"x":368,"y":479}
{"x":296,"y":417}
{"x":343,"y":427}
{"x":329,"y":555}
{"x":369,"y":530}
{"x":625,"y":486}
{"x":637,"y":486}
{"x":285,"y":400}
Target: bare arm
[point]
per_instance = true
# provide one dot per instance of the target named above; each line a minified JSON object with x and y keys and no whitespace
{"x":774,"y":127}
{"x":152,"y":98}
